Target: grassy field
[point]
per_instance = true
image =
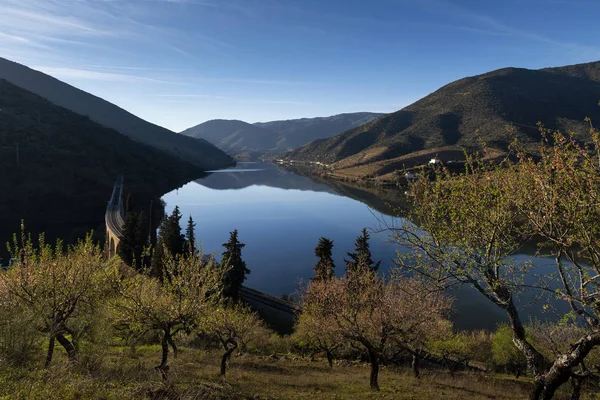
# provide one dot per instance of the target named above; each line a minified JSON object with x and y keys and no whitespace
{"x":121,"y":373}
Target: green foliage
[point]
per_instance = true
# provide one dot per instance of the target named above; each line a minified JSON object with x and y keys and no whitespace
{"x":190,"y":237}
{"x":171,"y":242}
{"x":57,"y":287}
{"x":20,"y":339}
{"x":504,"y":352}
{"x":460,"y":346}
{"x":234,"y":266}
{"x":325,"y":267}
{"x":361,"y":258}
{"x":132,"y":246}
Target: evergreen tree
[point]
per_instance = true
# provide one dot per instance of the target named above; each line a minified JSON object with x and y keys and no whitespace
{"x":131,"y":247}
{"x":170,"y":240}
{"x":190,"y":237}
{"x":324,"y":269}
{"x":360,"y":259}
{"x":235,"y":267}
{"x":170,"y":233}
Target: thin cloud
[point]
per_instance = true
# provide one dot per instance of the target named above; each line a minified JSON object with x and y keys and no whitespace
{"x":96,"y":75}
{"x":174,"y":99}
{"x":486,"y":24}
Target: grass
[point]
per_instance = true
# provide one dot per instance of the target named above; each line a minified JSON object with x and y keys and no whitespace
{"x":120,"y":373}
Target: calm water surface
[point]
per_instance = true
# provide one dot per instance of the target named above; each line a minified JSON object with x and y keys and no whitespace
{"x":280,"y":217}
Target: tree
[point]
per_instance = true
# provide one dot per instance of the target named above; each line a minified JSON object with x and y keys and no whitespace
{"x":325,"y":267}
{"x":234,"y":326}
{"x":57,"y":286}
{"x":133,"y":244}
{"x":470,"y":224}
{"x":190,"y":237}
{"x":372,"y":312}
{"x":235,"y":268}
{"x":314,"y":332}
{"x":170,"y":233}
{"x":361,"y":257}
{"x":185,"y":294}
{"x":170,"y":241}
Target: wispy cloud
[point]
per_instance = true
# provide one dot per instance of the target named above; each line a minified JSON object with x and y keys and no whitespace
{"x":486,"y":24}
{"x":184,"y":98}
{"x":61,"y":72}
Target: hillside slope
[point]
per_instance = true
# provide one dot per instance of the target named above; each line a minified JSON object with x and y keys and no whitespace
{"x":468,"y":110}
{"x":199,"y":152}
{"x":297,"y":132}
{"x":57,"y":168}
{"x":235,"y":136}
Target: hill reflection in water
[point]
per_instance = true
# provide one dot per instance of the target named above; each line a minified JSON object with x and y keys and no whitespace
{"x":281,"y":215}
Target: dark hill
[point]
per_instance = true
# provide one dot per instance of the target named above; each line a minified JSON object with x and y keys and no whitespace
{"x":67,"y":165}
{"x":237,"y":137}
{"x":561,"y":98}
{"x":199,"y":152}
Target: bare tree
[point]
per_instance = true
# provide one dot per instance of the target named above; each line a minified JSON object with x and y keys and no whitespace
{"x":187,"y":291}
{"x":235,"y":327}
{"x":57,"y":285}
{"x":371,"y":312}
{"x":467,"y":226}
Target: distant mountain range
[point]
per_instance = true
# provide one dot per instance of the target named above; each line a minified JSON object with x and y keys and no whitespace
{"x":196,"y":151}
{"x":463,"y":113}
{"x":236,"y":137}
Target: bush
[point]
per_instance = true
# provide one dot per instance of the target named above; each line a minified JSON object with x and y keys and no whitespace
{"x":19,"y":340}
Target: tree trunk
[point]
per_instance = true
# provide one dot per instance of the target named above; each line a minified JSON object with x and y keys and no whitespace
{"x":517,"y":372}
{"x":173,"y":346}
{"x":163,"y":368}
{"x":448,"y":365}
{"x":374,"y":358}
{"x":227,"y":355}
{"x":415,"y":365}
{"x":71,"y":350}
{"x":50,"y":352}
{"x":576,"y":383}
{"x":329,"y":357}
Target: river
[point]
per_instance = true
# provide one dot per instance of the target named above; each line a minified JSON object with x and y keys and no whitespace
{"x":280,"y":217}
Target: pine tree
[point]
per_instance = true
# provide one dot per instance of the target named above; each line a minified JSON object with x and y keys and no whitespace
{"x":236,"y":269}
{"x":132,"y":246}
{"x":170,"y":233}
{"x":170,"y":240}
{"x":324,"y":269}
{"x":361,"y":259}
{"x":190,"y":237}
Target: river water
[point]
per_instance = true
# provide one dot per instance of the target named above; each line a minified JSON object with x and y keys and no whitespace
{"x":280,"y":217}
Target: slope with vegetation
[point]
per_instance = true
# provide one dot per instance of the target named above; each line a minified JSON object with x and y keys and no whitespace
{"x":196,"y":151}
{"x":263,"y":138}
{"x":57,"y":168}
{"x":464,"y":114}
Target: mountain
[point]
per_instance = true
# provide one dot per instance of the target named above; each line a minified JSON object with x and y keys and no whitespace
{"x":197,"y":151}
{"x":297,"y":132}
{"x":234,"y":136}
{"x":58,"y":168}
{"x":462,"y":113}
{"x":237,"y":137}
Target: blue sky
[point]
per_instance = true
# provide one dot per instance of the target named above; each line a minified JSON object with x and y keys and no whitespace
{"x":178,"y":63}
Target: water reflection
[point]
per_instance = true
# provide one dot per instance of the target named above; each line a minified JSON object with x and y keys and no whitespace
{"x":281,"y":216}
